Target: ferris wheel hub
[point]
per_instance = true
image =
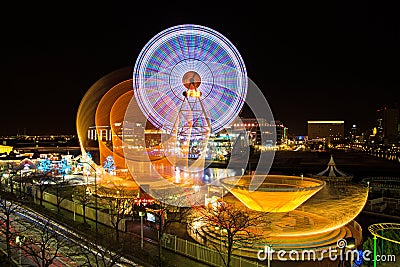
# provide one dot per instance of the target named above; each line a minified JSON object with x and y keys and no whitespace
{"x":191,"y":80}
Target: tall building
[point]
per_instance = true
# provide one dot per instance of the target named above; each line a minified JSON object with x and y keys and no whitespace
{"x":388,"y":122}
{"x":275,"y":133}
{"x":354,"y":133}
{"x":281,"y":133}
{"x":331,"y":131}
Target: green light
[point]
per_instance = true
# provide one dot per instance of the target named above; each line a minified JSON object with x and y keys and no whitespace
{"x":375,"y":250}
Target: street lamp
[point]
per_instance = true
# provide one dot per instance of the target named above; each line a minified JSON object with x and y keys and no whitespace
{"x":95,"y":191}
{"x":1,"y":177}
{"x":141,"y":214}
{"x":73,"y":200}
{"x":20,"y":183}
{"x":19,"y":240}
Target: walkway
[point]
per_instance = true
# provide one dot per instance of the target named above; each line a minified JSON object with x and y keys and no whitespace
{"x":150,"y":243}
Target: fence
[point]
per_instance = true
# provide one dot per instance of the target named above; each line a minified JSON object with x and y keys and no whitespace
{"x":376,"y":205}
{"x":90,"y":213}
{"x":392,"y":202}
{"x":383,"y":203}
{"x":203,"y":253}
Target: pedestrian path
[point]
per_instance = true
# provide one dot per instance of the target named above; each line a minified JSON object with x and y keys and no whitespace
{"x":151,"y":243}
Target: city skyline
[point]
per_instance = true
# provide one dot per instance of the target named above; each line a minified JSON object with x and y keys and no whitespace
{"x":311,"y":62}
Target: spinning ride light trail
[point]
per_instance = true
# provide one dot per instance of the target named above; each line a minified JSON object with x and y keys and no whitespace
{"x":316,"y":223}
{"x":278,"y":193}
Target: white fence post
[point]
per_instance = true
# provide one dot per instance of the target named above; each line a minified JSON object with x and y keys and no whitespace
{"x":175,"y":244}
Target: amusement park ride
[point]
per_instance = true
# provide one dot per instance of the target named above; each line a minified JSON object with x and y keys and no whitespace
{"x":190,"y":82}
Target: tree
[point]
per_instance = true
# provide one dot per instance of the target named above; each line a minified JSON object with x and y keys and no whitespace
{"x":22,"y":180}
{"x":7,"y":208}
{"x":24,"y":171}
{"x":42,"y":182}
{"x":234,"y":224}
{"x":61,"y":187}
{"x":64,"y":168}
{"x":45,"y":246}
{"x":45,"y":165}
{"x":49,"y":175}
{"x":120,"y":203}
{"x":171,"y":210}
{"x":83,"y":196}
{"x":102,"y":251}
{"x":62,"y":191}
{"x":12,"y":173}
{"x":109,"y":165}
{"x":3,"y":170}
{"x":393,"y":234}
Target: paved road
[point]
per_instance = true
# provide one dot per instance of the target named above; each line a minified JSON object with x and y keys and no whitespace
{"x":64,"y":245}
{"x":150,"y":243}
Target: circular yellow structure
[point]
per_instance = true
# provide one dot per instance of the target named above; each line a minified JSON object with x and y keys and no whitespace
{"x":277,"y":193}
{"x":318,"y":223}
{"x":374,"y":229}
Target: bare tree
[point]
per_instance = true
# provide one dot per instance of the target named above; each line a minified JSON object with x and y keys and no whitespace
{"x":42,"y":182}
{"x":102,"y":251}
{"x":234,"y":225}
{"x":44,"y":247}
{"x":120,"y":202}
{"x":8,"y":207}
{"x":24,"y":172}
{"x":23,"y":180}
{"x":3,"y":170}
{"x":7,"y":172}
{"x":82,"y":194}
{"x":171,"y":211}
{"x":62,"y":191}
{"x":11,"y":175}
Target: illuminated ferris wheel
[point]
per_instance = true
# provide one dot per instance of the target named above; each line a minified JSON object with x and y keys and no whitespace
{"x":191,"y":77}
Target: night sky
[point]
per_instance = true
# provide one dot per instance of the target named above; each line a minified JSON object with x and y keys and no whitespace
{"x":312,"y":61}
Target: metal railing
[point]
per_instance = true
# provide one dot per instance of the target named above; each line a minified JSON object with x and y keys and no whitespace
{"x":203,"y":253}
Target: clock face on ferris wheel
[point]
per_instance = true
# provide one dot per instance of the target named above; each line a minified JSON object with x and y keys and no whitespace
{"x":190,"y":58}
